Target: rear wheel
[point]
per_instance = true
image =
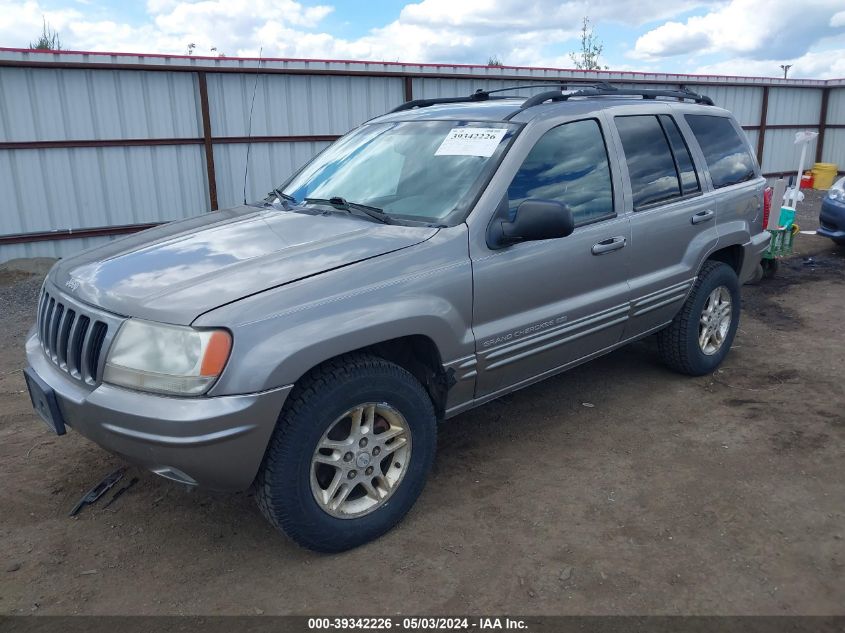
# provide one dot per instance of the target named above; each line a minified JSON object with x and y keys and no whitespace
{"x":350,"y":454}
{"x":701,"y":334}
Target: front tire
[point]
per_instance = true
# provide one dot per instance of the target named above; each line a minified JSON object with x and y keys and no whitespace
{"x":700,"y":336}
{"x":350,"y":454}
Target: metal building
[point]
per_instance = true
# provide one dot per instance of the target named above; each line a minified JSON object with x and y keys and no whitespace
{"x":94,"y":145}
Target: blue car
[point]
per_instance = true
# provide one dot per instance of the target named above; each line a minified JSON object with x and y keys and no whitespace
{"x":832,"y":216}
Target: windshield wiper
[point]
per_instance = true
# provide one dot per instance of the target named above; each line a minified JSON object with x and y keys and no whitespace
{"x":287,"y":200}
{"x":344,"y":205}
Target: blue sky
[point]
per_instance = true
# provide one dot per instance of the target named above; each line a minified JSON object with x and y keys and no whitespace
{"x":741,"y":37}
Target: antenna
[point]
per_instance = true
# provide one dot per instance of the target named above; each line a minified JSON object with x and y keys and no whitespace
{"x":249,"y":124}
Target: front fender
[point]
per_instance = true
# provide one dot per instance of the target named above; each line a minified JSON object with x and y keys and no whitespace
{"x":281,"y":334}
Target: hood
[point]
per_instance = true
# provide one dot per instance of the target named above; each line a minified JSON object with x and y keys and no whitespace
{"x":175,"y":272}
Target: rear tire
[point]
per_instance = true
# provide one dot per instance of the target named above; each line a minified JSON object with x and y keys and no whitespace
{"x":328,"y":480}
{"x":700,"y":336}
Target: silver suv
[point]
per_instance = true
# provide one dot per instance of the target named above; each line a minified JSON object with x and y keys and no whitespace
{"x":431,"y":260}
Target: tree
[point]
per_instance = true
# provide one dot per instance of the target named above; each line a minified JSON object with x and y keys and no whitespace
{"x":494,"y":60}
{"x":48,"y":40}
{"x":591,"y":48}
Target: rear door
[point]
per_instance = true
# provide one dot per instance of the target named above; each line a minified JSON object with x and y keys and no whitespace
{"x":673,"y":221}
{"x":734,"y":174}
{"x":538,"y":306}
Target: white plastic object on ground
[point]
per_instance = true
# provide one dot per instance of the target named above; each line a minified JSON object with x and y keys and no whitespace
{"x":803,"y":139}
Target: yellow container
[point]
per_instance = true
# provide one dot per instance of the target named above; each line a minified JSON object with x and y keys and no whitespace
{"x":823,"y":175}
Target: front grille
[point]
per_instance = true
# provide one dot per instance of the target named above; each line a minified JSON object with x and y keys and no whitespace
{"x":70,"y":338}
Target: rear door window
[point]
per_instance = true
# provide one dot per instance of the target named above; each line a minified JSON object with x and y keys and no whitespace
{"x":727,"y":156}
{"x":651,"y":165}
{"x":683,"y":160}
{"x":568,"y":164}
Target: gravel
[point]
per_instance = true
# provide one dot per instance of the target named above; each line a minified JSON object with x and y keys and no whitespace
{"x":18,"y":299}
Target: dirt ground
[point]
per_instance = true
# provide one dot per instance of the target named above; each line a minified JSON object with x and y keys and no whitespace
{"x":617,"y":488}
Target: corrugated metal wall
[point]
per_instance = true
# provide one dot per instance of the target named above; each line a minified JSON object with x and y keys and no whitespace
{"x":93,"y":141}
{"x":834,"y":142}
{"x":298,"y":105}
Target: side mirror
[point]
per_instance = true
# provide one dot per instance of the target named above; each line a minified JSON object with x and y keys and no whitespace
{"x":535,"y":220}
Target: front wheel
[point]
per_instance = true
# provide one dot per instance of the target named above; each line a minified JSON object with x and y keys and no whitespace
{"x":701,"y":334}
{"x":350,"y":454}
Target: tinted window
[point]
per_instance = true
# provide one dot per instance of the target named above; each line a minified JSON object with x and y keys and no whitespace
{"x":683,"y":160}
{"x":650,"y":163}
{"x":726,"y":154}
{"x":568,"y":164}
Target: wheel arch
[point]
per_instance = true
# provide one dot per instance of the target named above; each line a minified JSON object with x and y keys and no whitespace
{"x":733,"y":256}
{"x":419,"y":355}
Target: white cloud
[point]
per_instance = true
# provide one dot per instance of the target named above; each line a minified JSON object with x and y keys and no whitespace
{"x":751,"y":33}
{"x":228,"y":25}
{"x":754,"y":29}
{"x":17,"y":18}
{"x":822,"y":64}
{"x":539,"y":15}
{"x":428,"y":30}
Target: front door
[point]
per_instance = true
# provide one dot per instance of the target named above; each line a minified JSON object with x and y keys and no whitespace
{"x":539,"y":306}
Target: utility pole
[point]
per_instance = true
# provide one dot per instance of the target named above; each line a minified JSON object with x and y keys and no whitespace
{"x":785,"y":68}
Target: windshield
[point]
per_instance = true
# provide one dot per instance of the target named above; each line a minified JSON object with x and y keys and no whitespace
{"x":419,"y":170}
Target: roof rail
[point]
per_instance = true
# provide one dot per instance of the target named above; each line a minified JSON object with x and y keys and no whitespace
{"x":611,"y":91}
{"x":587,"y":89}
{"x":423,"y":103}
{"x":484,"y":95}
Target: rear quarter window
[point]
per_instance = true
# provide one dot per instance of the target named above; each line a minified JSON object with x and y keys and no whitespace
{"x":725,"y":152}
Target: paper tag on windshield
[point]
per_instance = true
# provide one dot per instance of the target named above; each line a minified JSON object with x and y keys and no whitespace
{"x":471,"y":141}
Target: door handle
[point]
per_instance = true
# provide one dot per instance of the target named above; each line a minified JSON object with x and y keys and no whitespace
{"x":703,"y":216}
{"x":609,"y":245}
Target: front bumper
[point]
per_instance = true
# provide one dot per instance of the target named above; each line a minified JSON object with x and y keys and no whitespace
{"x":752,"y":254}
{"x":832,"y":220}
{"x":214,"y":442}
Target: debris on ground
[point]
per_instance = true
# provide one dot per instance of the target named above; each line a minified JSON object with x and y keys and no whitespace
{"x":120,"y":491}
{"x":99,"y":490}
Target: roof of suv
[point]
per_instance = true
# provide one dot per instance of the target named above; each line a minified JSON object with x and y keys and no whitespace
{"x":523,"y":109}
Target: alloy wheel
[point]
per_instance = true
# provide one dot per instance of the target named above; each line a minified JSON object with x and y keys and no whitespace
{"x":715,"y":321}
{"x":360,"y":461}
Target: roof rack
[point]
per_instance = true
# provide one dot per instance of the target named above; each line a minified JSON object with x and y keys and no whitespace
{"x":611,"y":91}
{"x":586,"y":89}
{"x":485,"y":95}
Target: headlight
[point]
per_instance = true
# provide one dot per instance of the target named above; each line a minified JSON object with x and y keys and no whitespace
{"x":166,"y":358}
{"x":837,"y":191}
